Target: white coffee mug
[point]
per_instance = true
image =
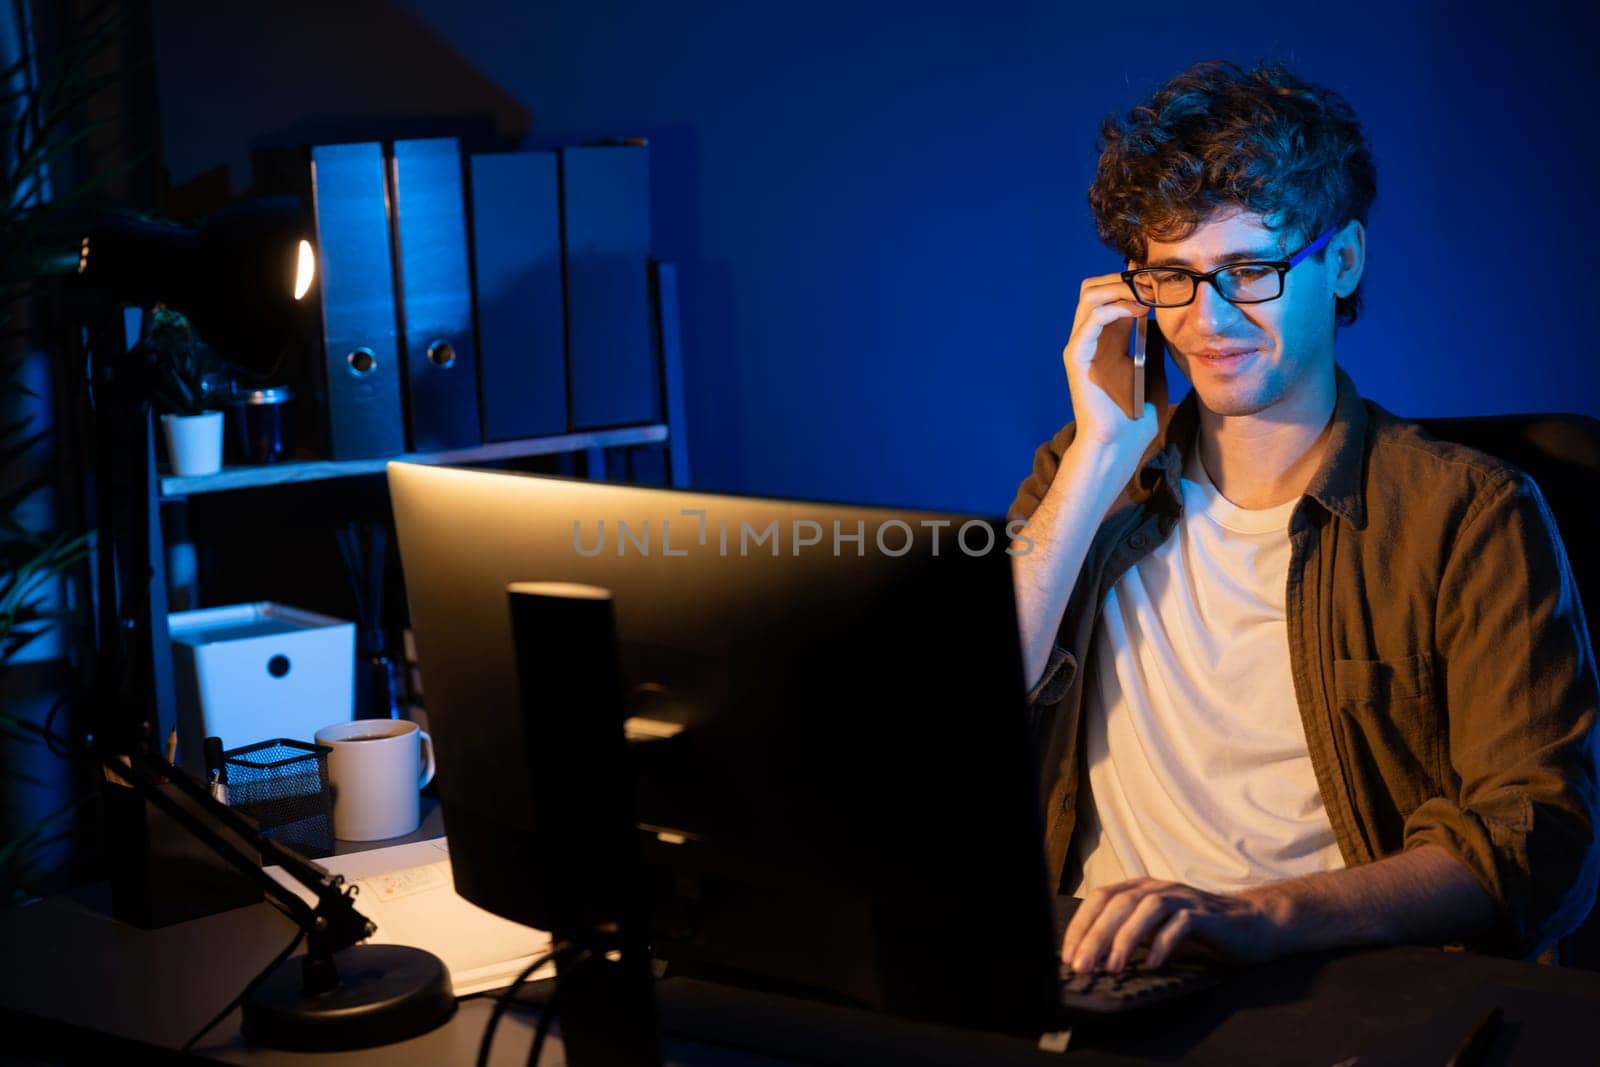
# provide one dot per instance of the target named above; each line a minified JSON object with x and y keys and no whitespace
{"x":376,"y":768}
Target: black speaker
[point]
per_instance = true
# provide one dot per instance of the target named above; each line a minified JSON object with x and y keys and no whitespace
{"x":567,"y":667}
{"x":591,"y":884}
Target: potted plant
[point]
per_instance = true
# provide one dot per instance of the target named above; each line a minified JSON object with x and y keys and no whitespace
{"x":43,"y":120}
{"x":184,"y":375}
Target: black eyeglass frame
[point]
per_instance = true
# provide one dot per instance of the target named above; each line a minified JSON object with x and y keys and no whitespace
{"x":1282,"y":266}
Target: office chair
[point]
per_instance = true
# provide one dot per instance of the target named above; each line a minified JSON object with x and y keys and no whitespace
{"x":1561,"y":452}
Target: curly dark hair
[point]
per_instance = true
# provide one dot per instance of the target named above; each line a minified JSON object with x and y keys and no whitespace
{"x":1218,"y":136}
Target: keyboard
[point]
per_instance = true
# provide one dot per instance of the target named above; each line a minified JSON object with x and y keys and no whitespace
{"x":1104,"y":993}
{"x":1136,"y":986}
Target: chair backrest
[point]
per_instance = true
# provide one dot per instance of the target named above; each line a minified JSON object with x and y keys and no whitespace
{"x":1561,"y":452}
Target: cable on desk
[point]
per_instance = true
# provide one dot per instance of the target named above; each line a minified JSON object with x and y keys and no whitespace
{"x":503,"y":1001}
{"x":299,"y":936}
{"x":547,"y":1015}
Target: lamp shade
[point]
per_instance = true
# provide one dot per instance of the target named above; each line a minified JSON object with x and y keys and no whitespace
{"x":236,"y":278}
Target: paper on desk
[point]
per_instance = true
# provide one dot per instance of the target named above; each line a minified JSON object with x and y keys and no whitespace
{"x":409,"y":892}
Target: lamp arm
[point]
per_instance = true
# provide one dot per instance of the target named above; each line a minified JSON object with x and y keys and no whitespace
{"x":333,"y":924}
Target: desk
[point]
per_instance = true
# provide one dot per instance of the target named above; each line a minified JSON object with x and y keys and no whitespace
{"x":72,"y":976}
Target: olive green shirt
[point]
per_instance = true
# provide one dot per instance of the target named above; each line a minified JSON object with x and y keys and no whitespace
{"x":1438,"y":648}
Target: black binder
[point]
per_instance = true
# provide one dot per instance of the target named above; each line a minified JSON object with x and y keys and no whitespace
{"x":352,"y":365}
{"x":436,"y":346}
{"x":516,"y":258}
{"x":605,"y":196}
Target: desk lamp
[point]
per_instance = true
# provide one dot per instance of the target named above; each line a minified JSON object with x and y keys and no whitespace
{"x":237,"y":279}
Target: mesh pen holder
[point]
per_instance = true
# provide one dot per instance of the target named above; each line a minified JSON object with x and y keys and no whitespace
{"x":283,"y":786}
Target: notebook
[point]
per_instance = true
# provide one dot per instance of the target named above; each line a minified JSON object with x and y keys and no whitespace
{"x":409,"y":892}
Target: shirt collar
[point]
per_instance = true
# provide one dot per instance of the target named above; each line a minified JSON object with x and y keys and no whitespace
{"x":1336,"y":485}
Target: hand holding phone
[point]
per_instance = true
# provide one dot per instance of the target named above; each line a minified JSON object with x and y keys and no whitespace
{"x":1119,"y":367}
{"x":1108,"y":390}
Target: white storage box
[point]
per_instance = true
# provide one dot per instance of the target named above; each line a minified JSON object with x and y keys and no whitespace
{"x":253,"y":672}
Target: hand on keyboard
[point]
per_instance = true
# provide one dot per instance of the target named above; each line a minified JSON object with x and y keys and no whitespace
{"x":1101,"y":992}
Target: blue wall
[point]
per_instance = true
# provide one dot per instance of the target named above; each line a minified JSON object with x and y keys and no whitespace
{"x":881,"y":218}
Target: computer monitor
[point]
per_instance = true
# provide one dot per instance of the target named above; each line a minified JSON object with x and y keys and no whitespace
{"x":850,"y":808}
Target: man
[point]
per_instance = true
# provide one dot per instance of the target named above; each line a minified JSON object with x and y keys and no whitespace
{"x":1303,"y":676}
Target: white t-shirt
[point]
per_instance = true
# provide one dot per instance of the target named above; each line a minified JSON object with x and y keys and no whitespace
{"x":1198,"y":770}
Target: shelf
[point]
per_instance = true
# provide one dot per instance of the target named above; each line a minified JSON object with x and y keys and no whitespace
{"x":172,"y":487}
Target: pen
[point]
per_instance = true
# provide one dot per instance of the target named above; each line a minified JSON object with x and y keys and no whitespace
{"x":216,"y":769}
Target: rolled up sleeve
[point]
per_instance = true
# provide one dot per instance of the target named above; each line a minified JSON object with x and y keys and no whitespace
{"x":1522,"y":696}
{"x":1046,"y":462}
{"x":1052,"y":685}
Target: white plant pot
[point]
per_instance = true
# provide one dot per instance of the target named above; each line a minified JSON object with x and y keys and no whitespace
{"x":194,"y":442}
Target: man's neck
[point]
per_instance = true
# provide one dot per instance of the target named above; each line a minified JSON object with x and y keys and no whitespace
{"x":1267,"y":459}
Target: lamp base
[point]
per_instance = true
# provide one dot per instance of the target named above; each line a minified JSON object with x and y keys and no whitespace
{"x":386,"y":993}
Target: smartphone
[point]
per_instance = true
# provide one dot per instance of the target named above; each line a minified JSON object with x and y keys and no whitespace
{"x":1119,"y":361}
{"x":1141,"y":338}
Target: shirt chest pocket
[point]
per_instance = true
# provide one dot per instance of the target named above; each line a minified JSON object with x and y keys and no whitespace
{"x":1394,"y":732}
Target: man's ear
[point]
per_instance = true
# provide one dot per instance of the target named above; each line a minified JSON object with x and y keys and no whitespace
{"x":1347,"y":252}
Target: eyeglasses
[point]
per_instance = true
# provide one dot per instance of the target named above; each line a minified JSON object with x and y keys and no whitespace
{"x":1253,"y":282}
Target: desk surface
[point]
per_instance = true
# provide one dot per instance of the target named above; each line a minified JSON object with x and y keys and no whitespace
{"x":71,"y":973}
{"x":73,"y":965}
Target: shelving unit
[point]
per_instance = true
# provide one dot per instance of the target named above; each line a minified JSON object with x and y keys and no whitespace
{"x":177,"y":488}
{"x":171,"y":491}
